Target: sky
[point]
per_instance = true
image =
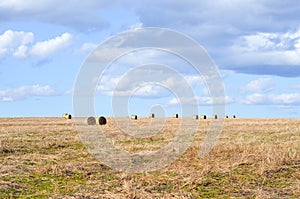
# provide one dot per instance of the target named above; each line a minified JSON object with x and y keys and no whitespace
{"x":255,"y":45}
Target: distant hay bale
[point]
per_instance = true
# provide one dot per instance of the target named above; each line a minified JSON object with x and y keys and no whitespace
{"x":151,"y":115}
{"x":196,"y":117}
{"x":215,"y":116}
{"x":134,"y":117}
{"x":90,"y":121}
{"x":226,"y":116}
{"x":203,"y":117}
{"x":67,"y":116}
{"x":175,"y":115}
{"x":101,"y":120}
{"x":233,"y":116}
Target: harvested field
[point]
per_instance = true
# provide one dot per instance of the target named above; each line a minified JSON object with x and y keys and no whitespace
{"x":254,"y":158}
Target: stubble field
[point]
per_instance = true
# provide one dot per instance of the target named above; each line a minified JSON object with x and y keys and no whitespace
{"x":254,"y":158}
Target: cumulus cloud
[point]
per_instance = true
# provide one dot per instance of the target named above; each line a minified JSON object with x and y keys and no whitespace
{"x":14,"y":42}
{"x":23,"y":92}
{"x":228,"y":30}
{"x":275,"y":53}
{"x":46,"y":48}
{"x":259,"y":85}
{"x":268,"y":49}
{"x":21,"y":51}
{"x":272,"y":99}
{"x":267,"y":40}
{"x":21,"y":44}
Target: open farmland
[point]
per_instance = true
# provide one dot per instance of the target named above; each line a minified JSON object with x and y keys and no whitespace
{"x":254,"y":158}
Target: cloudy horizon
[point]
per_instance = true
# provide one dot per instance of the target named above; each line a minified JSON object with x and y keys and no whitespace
{"x":255,"y":45}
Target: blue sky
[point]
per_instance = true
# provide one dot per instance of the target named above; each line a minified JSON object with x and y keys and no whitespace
{"x":255,"y":44}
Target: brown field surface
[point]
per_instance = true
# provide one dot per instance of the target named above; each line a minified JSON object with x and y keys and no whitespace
{"x":254,"y":158}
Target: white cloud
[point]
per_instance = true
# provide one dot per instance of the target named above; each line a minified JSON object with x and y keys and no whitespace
{"x":259,"y":85}
{"x":203,"y":100}
{"x":263,"y":32}
{"x":194,"y":80}
{"x":260,"y":41}
{"x":267,"y":49}
{"x":135,"y":26}
{"x":23,"y":92}
{"x":87,"y":47}
{"x":151,"y":83}
{"x":21,"y":44}
{"x":177,"y":101}
{"x":147,"y":90}
{"x":144,"y":91}
{"x":288,"y":98}
{"x":7,"y":99}
{"x":21,"y":51}
{"x":272,"y":99}
{"x":14,"y":42}
{"x":46,"y":48}
{"x":210,"y":22}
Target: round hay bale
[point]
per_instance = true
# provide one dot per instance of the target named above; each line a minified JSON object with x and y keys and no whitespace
{"x":101,"y":120}
{"x":203,"y":117}
{"x":134,"y":117}
{"x":226,"y":116}
{"x":67,"y":116}
{"x":215,"y":117}
{"x":151,"y":115}
{"x":90,"y":121}
{"x":234,"y":116}
{"x":175,"y":115}
{"x":196,"y":117}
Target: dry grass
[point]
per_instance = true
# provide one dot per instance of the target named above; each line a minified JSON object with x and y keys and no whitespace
{"x":255,"y":158}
